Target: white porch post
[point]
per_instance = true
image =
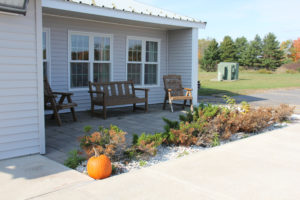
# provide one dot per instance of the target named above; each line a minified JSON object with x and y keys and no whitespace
{"x":195,"y":65}
{"x":40,"y":82}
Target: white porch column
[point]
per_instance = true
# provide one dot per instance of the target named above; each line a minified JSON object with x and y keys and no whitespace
{"x":195,"y":65}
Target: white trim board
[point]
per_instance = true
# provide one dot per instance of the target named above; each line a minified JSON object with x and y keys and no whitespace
{"x":88,"y":9}
{"x":40,"y":79}
{"x":48,"y":53}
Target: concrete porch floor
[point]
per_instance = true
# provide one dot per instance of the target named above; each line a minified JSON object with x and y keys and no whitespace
{"x":61,"y":140}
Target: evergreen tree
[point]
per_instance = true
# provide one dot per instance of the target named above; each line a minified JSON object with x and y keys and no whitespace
{"x":227,"y":50}
{"x":241,"y":45}
{"x":272,"y":55}
{"x":252,"y":55}
{"x":211,"y":57}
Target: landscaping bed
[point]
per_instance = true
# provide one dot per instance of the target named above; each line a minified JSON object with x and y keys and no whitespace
{"x":208,"y":126}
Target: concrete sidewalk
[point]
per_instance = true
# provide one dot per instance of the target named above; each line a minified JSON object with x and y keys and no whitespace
{"x":263,"y":167}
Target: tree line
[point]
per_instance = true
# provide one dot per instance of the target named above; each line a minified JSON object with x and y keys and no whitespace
{"x":258,"y":53}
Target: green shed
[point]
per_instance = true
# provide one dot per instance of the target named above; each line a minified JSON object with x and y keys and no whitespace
{"x":228,"y":71}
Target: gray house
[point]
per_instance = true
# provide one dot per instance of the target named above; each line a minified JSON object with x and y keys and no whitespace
{"x":73,"y":42}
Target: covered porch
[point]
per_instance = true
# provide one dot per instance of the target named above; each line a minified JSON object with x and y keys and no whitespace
{"x":61,"y":140}
{"x":83,"y":43}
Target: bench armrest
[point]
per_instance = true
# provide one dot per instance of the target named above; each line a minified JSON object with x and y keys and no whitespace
{"x":146,"y":92}
{"x":188,"y":89}
{"x":145,"y":89}
{"x":63,"y":93}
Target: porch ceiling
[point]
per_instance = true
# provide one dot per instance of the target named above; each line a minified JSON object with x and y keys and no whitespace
{"x":77,"y":15}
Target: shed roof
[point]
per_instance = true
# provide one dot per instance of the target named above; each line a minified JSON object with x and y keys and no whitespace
{"x":136,"y":7}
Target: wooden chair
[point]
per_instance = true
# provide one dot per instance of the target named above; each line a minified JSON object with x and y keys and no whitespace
{"x":52,"y":104}
{"x":116,"y":93}
{"x":174,"y":91}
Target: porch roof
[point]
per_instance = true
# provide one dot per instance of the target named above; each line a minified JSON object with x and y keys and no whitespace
{"x":129,"y":10}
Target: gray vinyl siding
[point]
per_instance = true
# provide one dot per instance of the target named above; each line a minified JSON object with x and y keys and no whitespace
{"x":19,"y":112}
{"x":180,"y":55}
{"x":59,"y":28}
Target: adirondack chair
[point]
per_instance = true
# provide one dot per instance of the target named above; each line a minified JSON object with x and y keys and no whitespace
{"x":174,"y":91}
{"x":52,"y":104}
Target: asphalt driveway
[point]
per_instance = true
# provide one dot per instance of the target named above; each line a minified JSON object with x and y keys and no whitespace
{"x":265,"y":98}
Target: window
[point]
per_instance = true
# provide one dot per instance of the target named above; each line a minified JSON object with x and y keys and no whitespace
{"x":90,"y":59}
{"x":143,"y":61}
{"x":101,"y":59}
{"x":46,"y":54}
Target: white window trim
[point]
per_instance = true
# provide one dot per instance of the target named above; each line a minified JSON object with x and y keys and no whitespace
{"x":91,"y":56}
{"x":143,"y":62}
{"x":48,"y":54}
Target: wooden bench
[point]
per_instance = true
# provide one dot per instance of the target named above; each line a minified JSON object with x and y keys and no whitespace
{"x":115,"y":93}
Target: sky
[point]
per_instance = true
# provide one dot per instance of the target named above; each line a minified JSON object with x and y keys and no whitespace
{"x":238,"y":18}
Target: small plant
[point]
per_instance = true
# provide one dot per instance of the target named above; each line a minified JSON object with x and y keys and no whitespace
{"x":184,"y":153}
{"x":74,"y":159}
{"x":289,"y":71}
{"x":229,"y":100}
{"x":264,"y":71}
{"x":245,"y":106}
{"x":142,"y":163}
{"x":148,"y":143}
{"x":110,"y":142}
{"x":87,"y":129}
{"x":215,"y":140}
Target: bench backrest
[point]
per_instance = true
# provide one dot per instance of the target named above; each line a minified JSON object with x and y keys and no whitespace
{"x":173,"y":82}
{"x":113,"y":89}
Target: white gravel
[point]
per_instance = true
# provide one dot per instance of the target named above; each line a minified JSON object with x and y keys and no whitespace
{"x":166,"y":153}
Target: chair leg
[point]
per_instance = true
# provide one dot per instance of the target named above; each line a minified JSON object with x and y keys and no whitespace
{"x":171,"y":105}
{"x":57,"y":117}
{"x":134,"y":107}
{"x":184,"y":104}
{"x":73,"y":114}
{"x":165,"y":102}
{"x":192,"y":106}
{"x":146,"y":106}
{"x":104,"y":112}
{"x":92,"y":109}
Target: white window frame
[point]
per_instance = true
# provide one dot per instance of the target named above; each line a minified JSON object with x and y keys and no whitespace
{"x":91,"y":59}
{"x":143,"y":62}
{"x":48,"y":54}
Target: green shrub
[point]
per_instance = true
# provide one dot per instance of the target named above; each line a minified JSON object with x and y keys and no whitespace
{"x":184,"y":153}
{"x":74,"y":159}
{"x":289,"y":71}
{"x":142,"y":163}
{"x":264,"y":71}
{"x":215,"y":140}
{"x":110,"y":142}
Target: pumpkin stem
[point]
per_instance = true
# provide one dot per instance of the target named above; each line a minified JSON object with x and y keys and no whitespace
{"x":96,"y":152}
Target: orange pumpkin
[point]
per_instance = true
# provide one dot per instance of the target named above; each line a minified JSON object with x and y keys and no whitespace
{"x":99,"y":166}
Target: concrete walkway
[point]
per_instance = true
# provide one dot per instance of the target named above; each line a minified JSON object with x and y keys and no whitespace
{"x":262,"y":167}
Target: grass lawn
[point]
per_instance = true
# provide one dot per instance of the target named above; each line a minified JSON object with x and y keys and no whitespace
{"x":249,"y":82}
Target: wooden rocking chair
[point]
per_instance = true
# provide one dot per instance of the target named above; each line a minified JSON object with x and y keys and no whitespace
{"x":52,"y":104}
{"x":175,"y":91}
